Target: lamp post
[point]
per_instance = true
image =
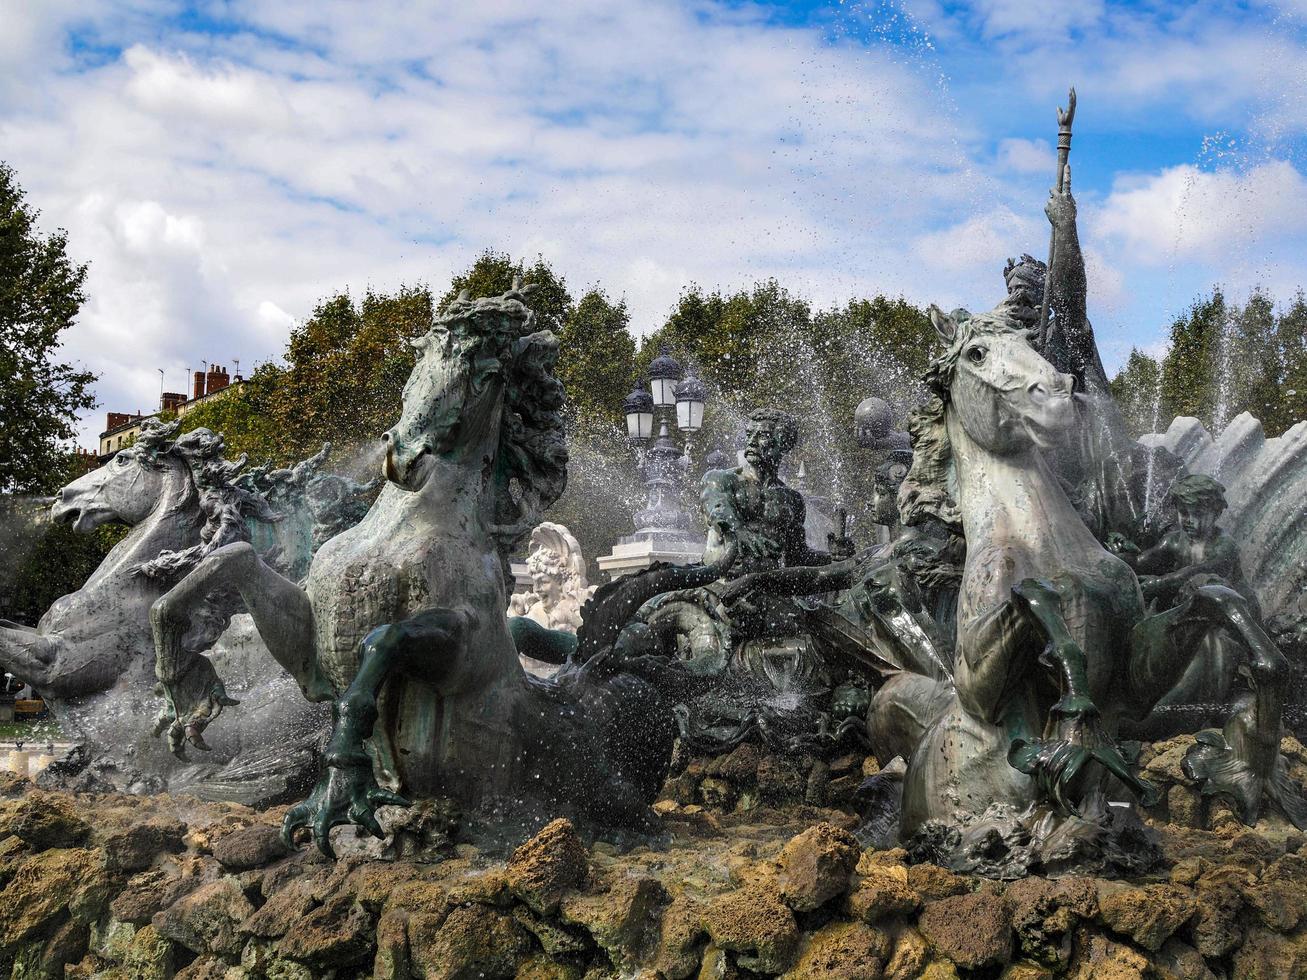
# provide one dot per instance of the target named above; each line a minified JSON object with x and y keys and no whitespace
{"x":674,"y":402}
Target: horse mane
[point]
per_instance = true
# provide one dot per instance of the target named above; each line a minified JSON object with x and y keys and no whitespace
{"x":925,"y":491}
{"x":500,"y":336}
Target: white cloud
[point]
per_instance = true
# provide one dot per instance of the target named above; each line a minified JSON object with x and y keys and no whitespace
{"x":1025,"y":156}
{"x":1185,"y":213}
{"x":222,"y":183}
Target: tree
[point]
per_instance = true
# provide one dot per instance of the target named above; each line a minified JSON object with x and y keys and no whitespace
{"x":596,"y":356}
{"x":492,"y":274}
{"x":40,"y":396}
{"x":1137,"y":390}
{"x":1189,"y":371}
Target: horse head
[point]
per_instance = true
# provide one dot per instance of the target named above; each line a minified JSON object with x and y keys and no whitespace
{"x":455,"y":388}
{"x":1006,"y":396}
{"x":130,"y":487}
{"x":484,"y":393}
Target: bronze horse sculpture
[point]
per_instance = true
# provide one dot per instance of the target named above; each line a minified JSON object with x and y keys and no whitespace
{"x":92,"y":657}
{"x":436,"y":703}
{"x":1053,"y":648}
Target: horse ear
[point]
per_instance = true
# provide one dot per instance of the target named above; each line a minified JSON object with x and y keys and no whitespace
{"x":945,"y":325}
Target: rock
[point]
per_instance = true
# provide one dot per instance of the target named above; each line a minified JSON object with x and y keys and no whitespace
{"x":1280,"y":897}
{"x":473,"y":941}
{"x":1097,"y":957}
{"x":780,"y":780}
{"x":1180,"y":961}
{"x":392,"y":961}
{"x":1164,"y":766}
{"x":1184,"y":806}
{"x":47,"y":960}
{"x":43,"y":820}
{"x":911,"y":954}
{"x":555,"y":940}
{"x":932,"y":882}
{"x":1267,"y":955}
{"x":717,"y":965}
{"x":883,"y":894}
{"x":971,"y":930}
{"x":250,"y":847}
{"x":1044,"y":913}
{"x":814,"y":791}
{"x":623,"y":920}
{"x":754,"y":924}
{"x":543,"y":968}
{"x":136,"y":847}
{"x":423,"y":832}
{"x":848,"y":950}
{"x":337,"y":933}
{"x":422,"y":897}
{"x":1025,"y":970}
{"x":681,"y":939}
{"x":48,"y":887}
{"x":716,"y":793}
{"x":815,"y":866}
{"x":148,"y":892}
{"x":550,"y":863}
{"x":683,"y":789}
{"x":286,"y":907}
{"x":740,"y":766}
{"x":1215,"y":928}
{"x":1149,"y":915}
{"x":206,"y":920}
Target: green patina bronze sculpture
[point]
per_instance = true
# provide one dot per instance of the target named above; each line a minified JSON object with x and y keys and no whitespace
{"x":436,"y":703}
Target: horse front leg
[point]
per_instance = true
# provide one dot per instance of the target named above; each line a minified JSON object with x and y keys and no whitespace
{"x":194,"y":695}
{"x":423,"y":647}
{"x":999,"y":650}
{"x":1244,"y":761}
{"x":1062,"y":758}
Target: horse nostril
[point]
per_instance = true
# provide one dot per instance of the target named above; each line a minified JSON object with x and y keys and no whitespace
{"x":385,"y":437}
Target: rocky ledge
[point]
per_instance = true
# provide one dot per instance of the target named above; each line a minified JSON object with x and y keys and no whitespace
{"x":746,"y":880}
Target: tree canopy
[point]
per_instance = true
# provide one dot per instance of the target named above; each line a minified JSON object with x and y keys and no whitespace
{"x":41,"y":292}
{"x":1224,"y":358}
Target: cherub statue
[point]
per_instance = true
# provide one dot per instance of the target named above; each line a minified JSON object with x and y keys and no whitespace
{"x":558,"y":582}
{"x":1197,"y":552}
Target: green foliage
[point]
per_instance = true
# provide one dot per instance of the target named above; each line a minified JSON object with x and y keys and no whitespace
{"x":54,"y":561}
{"x":40,"y":295}
{"x":493,"y":273}
{"x":245,"y":416}
{"x":1137,"y":392}
{"x":596,"y":361}
{"x":1224,"y":359}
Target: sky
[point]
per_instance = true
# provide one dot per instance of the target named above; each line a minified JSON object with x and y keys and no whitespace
{"x":224,"y":166}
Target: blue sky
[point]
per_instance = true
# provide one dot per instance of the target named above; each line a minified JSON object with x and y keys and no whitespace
{"x":224,"y":165}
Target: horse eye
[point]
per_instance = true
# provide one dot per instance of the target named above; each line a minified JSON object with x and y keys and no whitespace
{"x":976,"y":354}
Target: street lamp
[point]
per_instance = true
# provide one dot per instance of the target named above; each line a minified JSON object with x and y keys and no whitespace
{"x":668,"y":401}
{"x":639,"y":410}
{"x":690,"y":396}
{"x":664,"y":532}
{"x":664,"y":372}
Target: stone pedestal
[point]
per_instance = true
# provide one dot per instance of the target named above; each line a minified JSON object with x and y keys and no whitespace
{"x":641,"y":550}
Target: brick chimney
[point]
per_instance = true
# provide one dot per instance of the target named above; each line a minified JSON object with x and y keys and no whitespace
{"x":173,"y":400}
{"x":199,"y":385}
{"x":217,"y":378}
{"x":116,"y":419}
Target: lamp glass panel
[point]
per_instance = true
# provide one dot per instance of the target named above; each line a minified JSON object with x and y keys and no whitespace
{"x":689,"y":415}
{"x":664,"y":392}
